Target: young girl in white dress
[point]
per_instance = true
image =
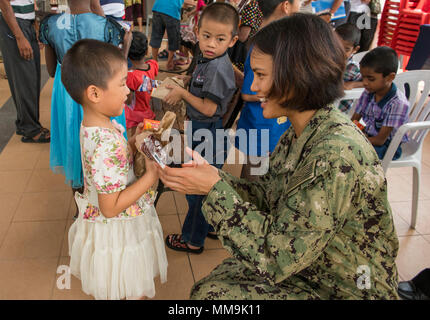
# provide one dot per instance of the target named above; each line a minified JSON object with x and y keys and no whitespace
{"x":116,"y":245}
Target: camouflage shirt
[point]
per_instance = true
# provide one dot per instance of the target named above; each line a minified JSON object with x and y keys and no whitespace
{"x":320,"y":213}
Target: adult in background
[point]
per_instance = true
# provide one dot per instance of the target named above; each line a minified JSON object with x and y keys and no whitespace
{"x":318,"y":225}
{"x":133,"y":10}
{"x":21,"y":56}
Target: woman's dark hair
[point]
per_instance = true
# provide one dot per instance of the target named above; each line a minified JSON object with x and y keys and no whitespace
{"x":221,"y":12}
{"x":139,"y":46}
{"x":267,"y":7}
{"x":309,"y":61}
{"x":349,"y":32}
{"x":382,"y":60}
{"x":89,"y":62}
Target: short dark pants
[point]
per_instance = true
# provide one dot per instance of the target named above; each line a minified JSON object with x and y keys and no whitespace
{"x":160,"y":23}
{"x":133,"y":11}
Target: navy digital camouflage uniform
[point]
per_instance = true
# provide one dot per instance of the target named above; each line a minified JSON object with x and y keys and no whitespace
{"x":306,"y":228}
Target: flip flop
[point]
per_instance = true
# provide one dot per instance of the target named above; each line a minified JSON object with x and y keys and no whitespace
{"x":163,"y":55}
{"x":175,"y":242}
{"x":43,"y":138}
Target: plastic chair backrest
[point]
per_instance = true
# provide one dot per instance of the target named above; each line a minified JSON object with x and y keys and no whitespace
{"x":358,"y":56}
{"x":417,"y":110}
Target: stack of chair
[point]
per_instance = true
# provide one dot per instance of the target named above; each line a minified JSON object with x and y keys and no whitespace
{"x":389,"y":21}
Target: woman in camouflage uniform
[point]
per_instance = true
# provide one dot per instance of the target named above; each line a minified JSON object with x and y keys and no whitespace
{"x":318,"y":224}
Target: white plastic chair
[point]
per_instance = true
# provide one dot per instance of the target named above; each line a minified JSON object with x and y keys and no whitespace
{"x":417,"y":129}
{"x":358,"y":56}
{"x":353,"y":94}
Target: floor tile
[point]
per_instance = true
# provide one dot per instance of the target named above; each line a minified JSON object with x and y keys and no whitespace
{"x":413,"y":256}
{"x":8,"y":205}
{"x":423,"y":215}
{"x":204,"y":263}
{"x":46,"y":180}
{"x":42,"y":160}
{"x":402,"y":225}
{"x":29,"y":279}
{"x":14,"y":181}
{"x":12,"y":161}
{"x":400,"y":189}
{"x":4,"y":228}
{"x":166,"y":204}
{"x":181,"y":202}
{"x":33,"y":240}
{"x":64,"y":290}
{"x":41,"y":206}
{"x":65,"y":241}
{"x":179,"y":278}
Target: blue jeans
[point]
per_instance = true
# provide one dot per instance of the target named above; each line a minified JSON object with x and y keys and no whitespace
{"x":196,"y":228}
{"x":381,"y":150}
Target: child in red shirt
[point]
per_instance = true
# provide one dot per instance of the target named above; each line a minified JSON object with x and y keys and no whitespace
{"x":140,"y":80}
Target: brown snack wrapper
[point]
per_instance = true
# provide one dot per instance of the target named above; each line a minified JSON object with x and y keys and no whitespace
{"x":161,"y":92}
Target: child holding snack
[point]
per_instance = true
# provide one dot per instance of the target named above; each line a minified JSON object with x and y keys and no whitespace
{"x":383,"y":107}
{"x":59,"y":33}
{"x":140,"y":80}
{"x":212,"y":86}
{"x":116,"y":244}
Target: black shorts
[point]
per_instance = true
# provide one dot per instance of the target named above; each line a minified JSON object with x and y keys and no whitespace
{"x":160,"y":23}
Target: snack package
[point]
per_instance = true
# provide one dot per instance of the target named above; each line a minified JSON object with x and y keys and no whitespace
{"x":149,"y":124}
{"x":359,"y":125}
{"x":152,"y":148}
{"x":149,"y":142}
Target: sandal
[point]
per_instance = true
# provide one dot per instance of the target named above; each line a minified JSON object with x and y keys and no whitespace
{"x":43,"y":138}
{"x":175,"y":242}
{"x":212,"y":236}
{"x":163,"y":55}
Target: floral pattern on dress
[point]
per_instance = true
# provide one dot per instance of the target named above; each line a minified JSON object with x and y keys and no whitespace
{"x":108,"y":167}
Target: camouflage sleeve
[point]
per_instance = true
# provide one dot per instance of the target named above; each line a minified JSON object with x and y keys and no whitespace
{"x":253,"y":192}
{"x":279,"y":243}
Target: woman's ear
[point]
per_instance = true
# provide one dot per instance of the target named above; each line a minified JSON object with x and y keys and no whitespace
{"x":285,"y":8}
{"x":93,"y":94}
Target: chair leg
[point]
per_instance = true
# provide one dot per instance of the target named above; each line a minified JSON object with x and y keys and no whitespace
{"x":160,"y":190}
{"x":415,"y":195}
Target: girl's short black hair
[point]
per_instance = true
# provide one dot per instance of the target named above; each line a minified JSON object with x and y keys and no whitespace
{"x":139,"y":46}
{"x":267,"y":7}
{"x":89,"y":62}
{"x":308,"y":61}
{"x":382,"y":60}
{"x":349,"y":32}
{"x":221,"y":12}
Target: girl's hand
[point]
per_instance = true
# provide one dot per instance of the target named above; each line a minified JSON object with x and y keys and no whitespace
{"x":175,"y":95}
{"x":196,"y":177}
{"x":151,"y":168}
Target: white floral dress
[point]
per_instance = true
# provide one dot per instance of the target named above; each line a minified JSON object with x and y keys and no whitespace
{"x":115,"y":258}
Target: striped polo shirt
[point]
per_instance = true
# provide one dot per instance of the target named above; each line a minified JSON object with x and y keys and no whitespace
{"x":114,"y":8}
{"x":23,"y":9}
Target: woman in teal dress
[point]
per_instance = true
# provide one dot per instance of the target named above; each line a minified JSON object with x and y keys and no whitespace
{"x":59,"y":33}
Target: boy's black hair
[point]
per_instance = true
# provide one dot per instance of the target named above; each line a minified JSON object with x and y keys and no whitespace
{"x":139,"y":46}
{"x":267,"y":7}
{"x":382,"y":60}
{"x":349,"y":32}
{"x":308,"y":61}
{"x":221,"y":12}
{"x":89,"y":62}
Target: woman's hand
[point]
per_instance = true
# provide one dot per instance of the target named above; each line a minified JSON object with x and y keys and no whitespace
{"x":175,"y":94}
{"x":195,"y":177}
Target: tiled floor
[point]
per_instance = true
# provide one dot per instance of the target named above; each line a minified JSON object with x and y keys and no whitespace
{"x":36,"y":211}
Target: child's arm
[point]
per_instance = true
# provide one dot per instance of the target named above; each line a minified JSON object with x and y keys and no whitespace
{"x":112,"y":204}
{"x":51,"y":60}
{"x":205,"y":105}
{"x":381,"y":137}
{"x":352,"y":84}
{"x":249,"y":97}
{"x":356,"y":116}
